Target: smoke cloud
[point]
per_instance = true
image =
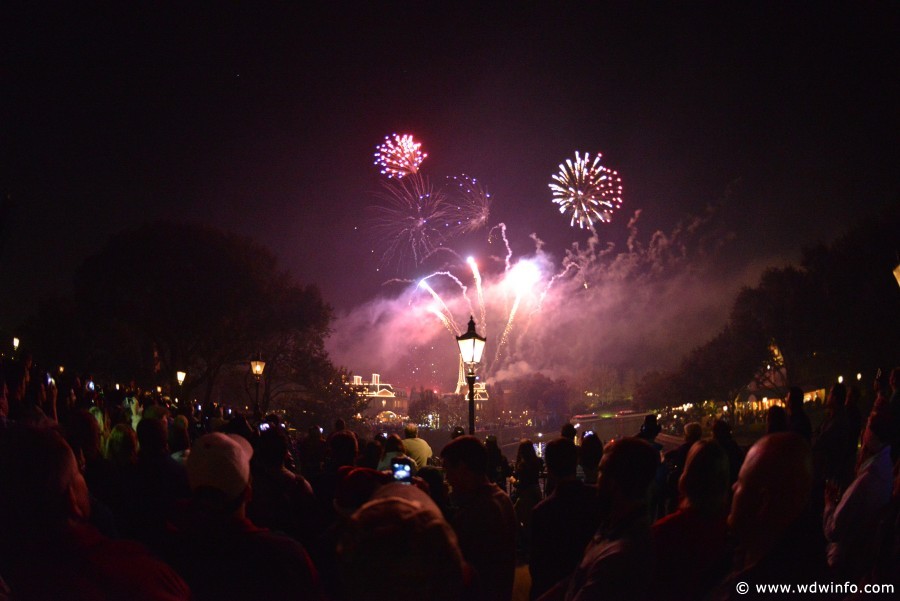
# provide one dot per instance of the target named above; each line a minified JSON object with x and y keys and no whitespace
{"x":638,"y":308}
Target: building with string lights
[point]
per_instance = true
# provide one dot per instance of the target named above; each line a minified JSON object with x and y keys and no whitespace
{"x":383,"y":399}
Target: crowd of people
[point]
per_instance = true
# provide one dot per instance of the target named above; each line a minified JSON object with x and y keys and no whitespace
{"x":149,"y":503}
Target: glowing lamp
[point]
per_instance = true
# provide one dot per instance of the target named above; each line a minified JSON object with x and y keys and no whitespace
{"x":840,"y":379}
{"x":15,"y":344}
{"x":471,"y":345}
{"x":180,"y":376}
{"x":257,"y":367}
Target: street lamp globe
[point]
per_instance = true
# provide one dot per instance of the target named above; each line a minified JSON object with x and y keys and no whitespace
{"x":257,"y":367}
{"x":180,"y":376}
{"x":471,"y":347}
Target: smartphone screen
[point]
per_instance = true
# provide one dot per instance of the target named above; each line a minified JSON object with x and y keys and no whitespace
{"x":402,"y":472}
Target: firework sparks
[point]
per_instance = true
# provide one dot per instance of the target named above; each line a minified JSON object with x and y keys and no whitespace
{"x":445,"y":311}
{"x":474,"y":204}
{"x":502,"y":228}
{"x":399,"y":156}
{"x":477,"y":275}
{"x":412,"y":223}
{"x":442,"y":317}
{"x":522,"y":277}
{"x":458,"y":282}
{"x":587,"y":190}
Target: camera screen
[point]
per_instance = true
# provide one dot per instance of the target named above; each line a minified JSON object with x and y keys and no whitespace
{"x":402,"y":472}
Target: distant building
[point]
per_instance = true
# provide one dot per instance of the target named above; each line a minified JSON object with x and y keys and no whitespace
{"x":481,"y":393}
{"x":381,"y":396}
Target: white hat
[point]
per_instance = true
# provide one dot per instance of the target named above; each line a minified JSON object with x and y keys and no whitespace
{"x":220,"y":461}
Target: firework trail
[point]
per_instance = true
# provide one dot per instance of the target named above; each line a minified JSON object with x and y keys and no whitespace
{"x":444,"y":309}
{"x":502,"y":228}
{"x":474,"y":207}
{"x":440,"y":315}
{"x":587,"y":190}
{"x":399,"y":156}
{"x":463,"y":287}
{"x":569,"y":266}
{"x":444,"y":249}
{"x":412,"y":223}
{"x":477,"y":275}
{"x":523,"y":276}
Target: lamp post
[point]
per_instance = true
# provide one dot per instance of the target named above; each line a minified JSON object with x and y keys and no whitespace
{"x":471,"y":347}
{"x":257,"y":367}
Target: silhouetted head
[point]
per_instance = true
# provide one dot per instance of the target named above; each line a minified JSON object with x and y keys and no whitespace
{"x":706,"y":477}
{"x":721,"y":430}
{"x":122,"y":445}
{"x":794,"y":400}
{"x":398,"y":546}
{"x":153,"y":436}
{"x":650,"y":428}
{"x":837,"y":397}
{"x":776,"y":420}
{"x":394,"y":444}
{"x":628,"y":467}
{"x":693,"y":432}
{"x":343,"y":447}
{"x":526,"y":451}
{"x":272,"y":447}
{"x":772,"y":489}
{"x":561,"y":458}
{"x":43,"y":489}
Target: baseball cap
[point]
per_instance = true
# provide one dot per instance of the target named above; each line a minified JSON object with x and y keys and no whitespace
{"x":220,"y":461}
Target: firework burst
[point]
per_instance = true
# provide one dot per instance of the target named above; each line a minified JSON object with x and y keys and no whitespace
{"x":413,"y":222}
{"x":399,"y":156}
{"x":587,"y":190}
{"x":473,"y":204}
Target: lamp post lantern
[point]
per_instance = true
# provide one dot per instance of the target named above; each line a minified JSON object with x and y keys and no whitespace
{"x":180,"y":376}
{"x":257,"y":367}
{"x":471,"y":347}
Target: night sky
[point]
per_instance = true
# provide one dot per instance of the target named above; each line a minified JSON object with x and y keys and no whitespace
{"x":776,"y":122}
